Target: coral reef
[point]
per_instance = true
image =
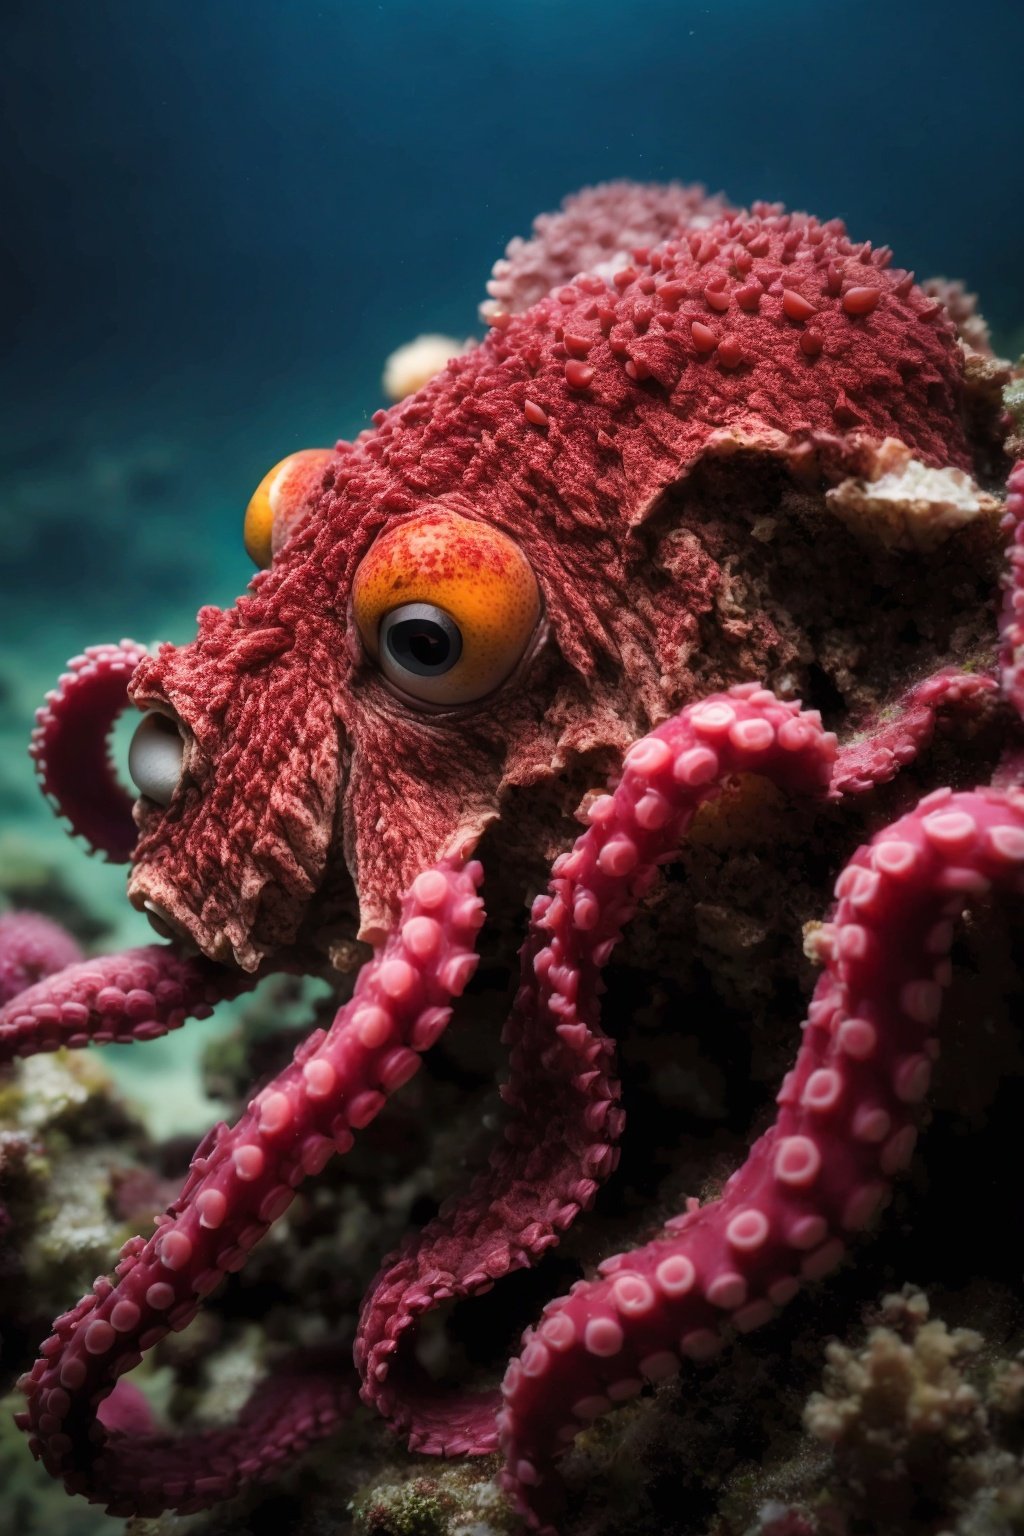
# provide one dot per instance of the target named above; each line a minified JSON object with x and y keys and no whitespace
{"x":742,"y":462}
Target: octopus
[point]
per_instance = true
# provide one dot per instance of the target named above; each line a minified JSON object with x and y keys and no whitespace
{"x":706,"y":464}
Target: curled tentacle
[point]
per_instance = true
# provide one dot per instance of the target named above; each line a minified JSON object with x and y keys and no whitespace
{"x":564,"y":1121}
{"x":139,"y":994}
{"x":31,"y":948}
{"x":878,"y":754}
{"x":69,"y":747}
{"x":242,"y":1180}
{"x":845,"y":1128}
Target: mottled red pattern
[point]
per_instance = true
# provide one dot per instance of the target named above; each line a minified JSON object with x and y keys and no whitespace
{"x":308,"y":786}
{"x":276,"y":688}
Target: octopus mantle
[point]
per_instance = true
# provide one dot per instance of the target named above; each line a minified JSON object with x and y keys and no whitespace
{"x":616,"y":538}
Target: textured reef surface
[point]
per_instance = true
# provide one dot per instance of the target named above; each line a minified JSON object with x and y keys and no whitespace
{"x":681,"y":622}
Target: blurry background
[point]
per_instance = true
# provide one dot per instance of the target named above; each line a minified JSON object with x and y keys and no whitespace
{"x":222,"y":215}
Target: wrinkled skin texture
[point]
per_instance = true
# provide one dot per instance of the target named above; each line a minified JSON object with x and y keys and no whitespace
{"x":701,"y":447}
{"x":287,"y":723}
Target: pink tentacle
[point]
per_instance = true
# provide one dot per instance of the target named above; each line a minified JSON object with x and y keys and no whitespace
{"x":889,"y":744}
{"x":845,"y":1128}
{"x":69,"y":747}
{"x":242,"y":1180}
{"x":1011,"y":655}
{"x":31,"y":948}
{"x":558,"y":1146}
{"x":564,"y":1119}
{"x":139,"y":994}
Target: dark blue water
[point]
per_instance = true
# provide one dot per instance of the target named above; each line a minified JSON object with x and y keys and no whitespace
{"x":221,"y":215}
{"x":225,"y":206}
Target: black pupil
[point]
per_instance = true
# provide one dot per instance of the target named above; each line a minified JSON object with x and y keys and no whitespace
{"x":424,"y":645}
{"x":427,"y":644}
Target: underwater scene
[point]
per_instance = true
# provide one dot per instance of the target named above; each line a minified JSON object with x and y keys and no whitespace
{"x":512,"y":772}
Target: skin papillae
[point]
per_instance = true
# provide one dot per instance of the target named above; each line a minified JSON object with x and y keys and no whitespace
{"x":612,"y":425}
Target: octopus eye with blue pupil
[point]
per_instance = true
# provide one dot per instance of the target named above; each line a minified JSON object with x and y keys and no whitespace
{"x":418,"y":640}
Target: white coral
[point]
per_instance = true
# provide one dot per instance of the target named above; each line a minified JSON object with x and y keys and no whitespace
{"x":905,"y":504}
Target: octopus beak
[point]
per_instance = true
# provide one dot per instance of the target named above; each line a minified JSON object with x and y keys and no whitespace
{"x":153,"y":891}
{"x":163,"y":924}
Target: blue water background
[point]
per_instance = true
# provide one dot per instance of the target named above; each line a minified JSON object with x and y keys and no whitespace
{"x":221,"y":215}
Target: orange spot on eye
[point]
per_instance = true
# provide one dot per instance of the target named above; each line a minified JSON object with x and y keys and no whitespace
{"x":477,"y":575}
{"x":281,"y":499}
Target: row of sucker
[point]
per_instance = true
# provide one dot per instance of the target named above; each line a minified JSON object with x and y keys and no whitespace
{"x":242,"y":1179}
{"x":820,"y":1175}
{"x":70,"y":748}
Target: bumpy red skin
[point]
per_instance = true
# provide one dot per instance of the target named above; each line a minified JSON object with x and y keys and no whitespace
{"x":820,"y":1175}
{"x":878,"y":754}
{"x":595,"y":230}
{"x":140,"y":994}
{"x":562,"y":429}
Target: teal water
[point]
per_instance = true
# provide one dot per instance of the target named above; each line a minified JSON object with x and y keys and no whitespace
{"x":221,"y":217}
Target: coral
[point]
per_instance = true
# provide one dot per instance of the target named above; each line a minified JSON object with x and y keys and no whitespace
{"x":675,"y":488}
{"x":900,"y":1414}
{"x":921,"y":1424}
{"x":451,"y":1503}
{"x":65,"y":1143}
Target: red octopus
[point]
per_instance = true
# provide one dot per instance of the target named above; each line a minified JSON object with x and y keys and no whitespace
{"x":469,"y":612}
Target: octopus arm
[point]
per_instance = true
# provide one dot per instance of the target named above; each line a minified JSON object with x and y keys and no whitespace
{"x":69,"y":747}
{"x":32,"y":947}
{"x":563,"y":1116}
{"x":242,"y":1179}
{"x":845,"y":1128}
{"x":137,"y":995}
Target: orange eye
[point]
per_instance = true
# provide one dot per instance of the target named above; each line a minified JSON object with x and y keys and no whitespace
{"x":446,"y":607}
{"x":280,"y":499}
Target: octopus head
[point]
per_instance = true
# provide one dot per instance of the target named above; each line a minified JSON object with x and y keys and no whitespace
{"x":370,"y":706}
{"x":463,"y":617}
